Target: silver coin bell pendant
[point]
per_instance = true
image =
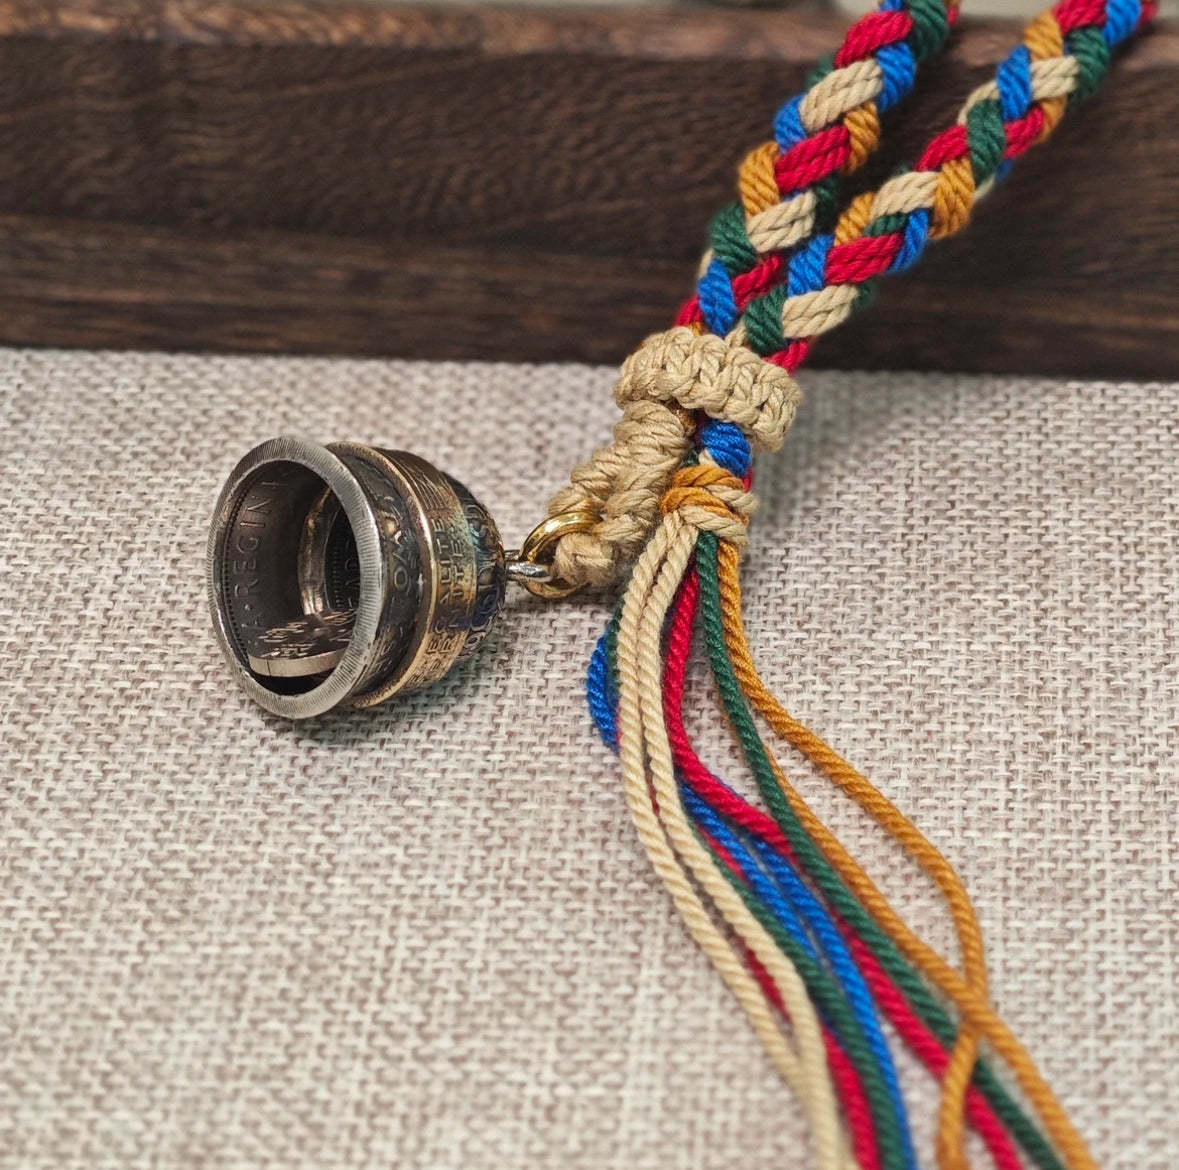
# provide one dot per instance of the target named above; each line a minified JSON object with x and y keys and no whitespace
{"x":343,"y":575}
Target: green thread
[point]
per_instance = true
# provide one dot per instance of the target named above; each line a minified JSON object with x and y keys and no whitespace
{"x":812,"y":859}
{"x":763,"y":321}
{"x":1091,"y":51}
{"x":827,"y":208}
{"x":887,"y":224}
{"x":832,"y":1002}
{"x":821,"y":69}
{"x":987,"y":137}
{"x":730,"y":241}
{"x":931,"y":27}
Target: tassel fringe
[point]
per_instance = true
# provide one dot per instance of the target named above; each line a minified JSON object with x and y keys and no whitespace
{"x":812,"y":950}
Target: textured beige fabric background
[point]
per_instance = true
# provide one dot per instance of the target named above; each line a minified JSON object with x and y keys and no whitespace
{"x":426,"y":936}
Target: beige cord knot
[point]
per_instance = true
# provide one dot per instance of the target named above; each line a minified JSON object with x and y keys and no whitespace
{"x":704,"y":372}
{"x":711,"y":499}
{"x":670,"y":373}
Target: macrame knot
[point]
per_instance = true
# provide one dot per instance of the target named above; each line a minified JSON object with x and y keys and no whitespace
{"x":711,"y":499}
{"x":669,"y":378}
{"x":701,"y":371}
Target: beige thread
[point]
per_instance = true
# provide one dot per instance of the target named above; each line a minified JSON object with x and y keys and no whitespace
{"x":624,"y":481}
{"x":643,"y":742}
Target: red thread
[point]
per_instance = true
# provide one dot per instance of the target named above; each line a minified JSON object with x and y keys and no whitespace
{"x":748,"y":286}
{"x":916,"y":1036}
{"x":1024,"y":133}
{"x":928,"y":1049}
{"x":843,"y":1072}
{"x":691,"y":313}
{"x":951,"y":143}
{"x":793,"y":355}
{"x":1072,"y":14}
{"x":860,"y":260}
{"x":759,"y":280}
{"x":812,"y":159}
{"x":847,"y":1080}
{"x":873,"y":32}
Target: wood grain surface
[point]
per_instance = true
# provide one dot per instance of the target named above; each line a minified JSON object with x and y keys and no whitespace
{"x":523,"y":185}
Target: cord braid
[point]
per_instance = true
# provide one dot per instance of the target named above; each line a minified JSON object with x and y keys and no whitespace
{"x":778,"y":309}
{"x":781,"y":303}
{"x":788,"y":187}
{"x":791,"y":184}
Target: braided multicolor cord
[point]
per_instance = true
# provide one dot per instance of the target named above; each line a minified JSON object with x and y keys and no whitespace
{"x":791,"y":184}
{"x":779,"y":305}
{"x":774,"y":310}
{"x":784,"y":268}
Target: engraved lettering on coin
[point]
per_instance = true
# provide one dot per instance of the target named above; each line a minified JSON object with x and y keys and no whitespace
{"x":341,"y":569}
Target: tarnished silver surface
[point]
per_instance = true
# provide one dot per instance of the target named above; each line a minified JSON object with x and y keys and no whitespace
{"x":304,"y":646}
{"x":522,"y":572}
{"x":491,"y":569}
{"x":308,"y":540}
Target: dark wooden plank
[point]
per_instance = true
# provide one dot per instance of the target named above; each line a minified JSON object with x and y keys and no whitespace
{"x":280,"y":292}
{"x":533,"y":185}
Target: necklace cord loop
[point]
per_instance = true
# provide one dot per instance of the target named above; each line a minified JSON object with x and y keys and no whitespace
{"x":669,"y":379}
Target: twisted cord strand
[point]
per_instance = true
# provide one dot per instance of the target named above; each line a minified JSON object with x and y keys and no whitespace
{"x":803,"y":827}
{"x":826,"y":967}
{"x":773,"y":890}
{"x":733,"y":808}
{"x":916,"y":1034}
{"x":709,"y":499}
{"x":926,"y":1034}
{"x":803,"y":1065}
{"x":1064,"y":55}
{"x":957,"y":1075}
{"x":603,"y":686}
{"x":726,"y":443}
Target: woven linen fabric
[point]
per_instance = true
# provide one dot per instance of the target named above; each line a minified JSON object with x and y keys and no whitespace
{"x":426,"y":936}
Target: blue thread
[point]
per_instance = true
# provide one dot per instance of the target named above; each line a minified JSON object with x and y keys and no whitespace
{"x":717,"y":301}
{"x":808,"y":266}
{"x":727,"y":444}
{"x":599,"y":692}
{"x":788,"y":128}
{"x":899,"y":67}
{"x":913,"y":242}
{"x":1122,"y":17}
{"x":840,"y":958}
{"x":1014,"y":79}
{"x":712,"y":823}
{"x":791,"y":901}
